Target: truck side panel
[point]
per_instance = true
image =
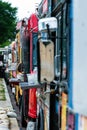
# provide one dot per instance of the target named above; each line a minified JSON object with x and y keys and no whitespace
{"x":79,"y":78}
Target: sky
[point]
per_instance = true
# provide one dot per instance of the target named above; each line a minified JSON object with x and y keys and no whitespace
{"x":25,"y":7}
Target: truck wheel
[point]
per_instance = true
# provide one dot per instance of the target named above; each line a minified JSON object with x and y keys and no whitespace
{"x":23,"y":121}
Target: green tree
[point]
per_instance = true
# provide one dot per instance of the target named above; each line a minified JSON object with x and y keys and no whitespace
{"x":7,"y":22}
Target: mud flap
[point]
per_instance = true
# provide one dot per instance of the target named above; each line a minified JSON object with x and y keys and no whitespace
{"x":41,"y":120}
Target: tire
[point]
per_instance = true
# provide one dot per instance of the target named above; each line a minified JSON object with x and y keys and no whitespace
{"x":23,"y":121}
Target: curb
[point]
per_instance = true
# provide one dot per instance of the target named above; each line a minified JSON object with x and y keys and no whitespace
{"x":7,"y":105}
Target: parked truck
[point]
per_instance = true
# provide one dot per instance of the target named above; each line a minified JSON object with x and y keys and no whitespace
{"x":54,"y":91}
{"x":47,"y":102}
{"x":68,"y":88}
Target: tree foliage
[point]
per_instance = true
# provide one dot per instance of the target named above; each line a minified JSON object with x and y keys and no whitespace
{"x":7,"y":22}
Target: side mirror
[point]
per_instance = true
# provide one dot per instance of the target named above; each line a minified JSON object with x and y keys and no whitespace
{"x":12,"y":114}
{"x":56,"y":62}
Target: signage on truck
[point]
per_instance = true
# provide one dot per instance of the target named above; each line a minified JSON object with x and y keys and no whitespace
{"x":82,"y":122}
{"x":63,"y":114}
{"x":71,"y":120}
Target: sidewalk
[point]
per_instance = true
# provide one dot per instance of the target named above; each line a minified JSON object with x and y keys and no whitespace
{"x":7,"y":105}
